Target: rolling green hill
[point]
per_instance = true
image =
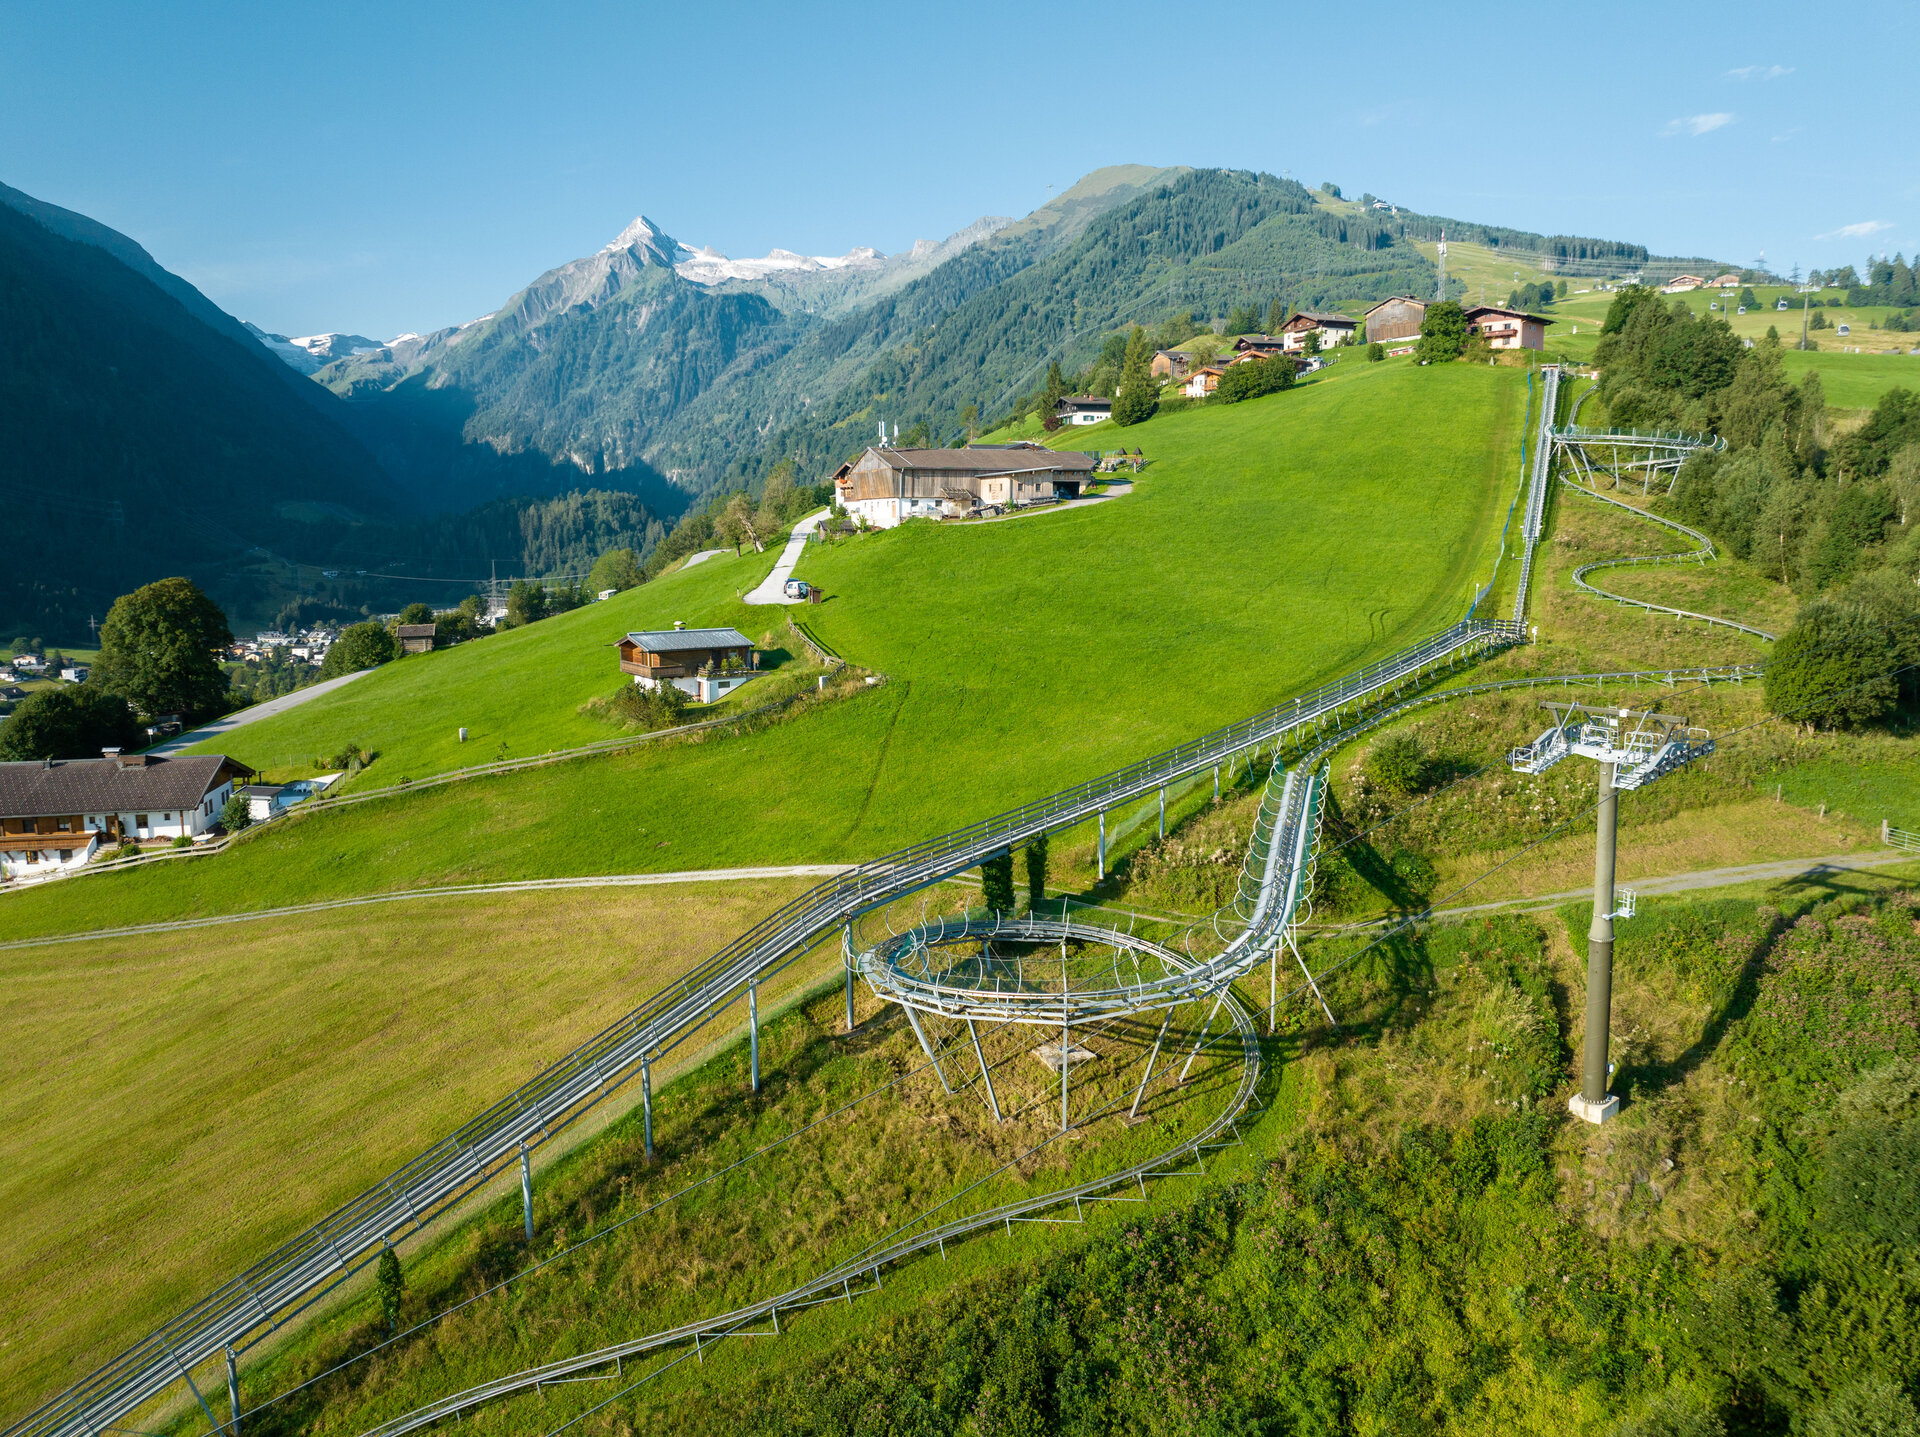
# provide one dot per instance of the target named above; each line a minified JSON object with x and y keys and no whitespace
{"x":1268,"y":546}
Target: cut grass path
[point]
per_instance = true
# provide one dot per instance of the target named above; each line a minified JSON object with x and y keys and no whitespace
{"x":173,"y":1110}
{"x":1267,"y":547}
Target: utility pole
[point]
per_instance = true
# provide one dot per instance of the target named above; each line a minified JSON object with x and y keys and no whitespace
{"x":1632,"y":748}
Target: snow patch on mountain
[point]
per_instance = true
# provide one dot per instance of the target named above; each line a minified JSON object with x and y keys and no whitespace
{"x":310,"y":352}
{"x":707,"y":265}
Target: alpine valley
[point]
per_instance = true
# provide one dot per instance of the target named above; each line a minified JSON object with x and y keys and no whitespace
{"x":146,"y":432}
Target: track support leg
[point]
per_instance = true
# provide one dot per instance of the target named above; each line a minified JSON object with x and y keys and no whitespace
{"x":913,"y":1018}
{"x":1141,"y":1091}
{"x":233,"y":1390}
{"x":846,"y":956}
{"x":753,"y":1033}
{"x":1200,"y":1042}
{"x":1101,"y":851}
{"x":1066,"y":1045}
{"x":986,"y":1076}
{"x":1310,"y":982}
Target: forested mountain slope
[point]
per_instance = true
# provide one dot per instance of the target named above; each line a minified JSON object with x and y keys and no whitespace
{"x":138,"y":441}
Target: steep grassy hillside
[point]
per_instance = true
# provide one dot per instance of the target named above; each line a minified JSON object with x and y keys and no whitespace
{"x":173,"y":1108}
{"x":1267,"y":547}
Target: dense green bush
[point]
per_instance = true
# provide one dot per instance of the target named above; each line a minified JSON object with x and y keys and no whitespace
{"x":1834,"y":668}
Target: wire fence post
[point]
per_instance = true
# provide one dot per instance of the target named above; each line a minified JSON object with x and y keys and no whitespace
{"x":646,"y":1103}
{"x":846,"y":955}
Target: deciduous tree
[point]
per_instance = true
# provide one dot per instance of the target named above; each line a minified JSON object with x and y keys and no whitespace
{"x":69,"y":722}
{"x":161,"y":647}
{"x":1443,"y":332}
{"x":361,"y":646}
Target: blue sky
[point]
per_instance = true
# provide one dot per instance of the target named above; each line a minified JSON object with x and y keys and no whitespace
{"x":388,"y":167}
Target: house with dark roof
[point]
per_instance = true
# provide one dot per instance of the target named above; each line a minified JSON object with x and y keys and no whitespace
{"x":1083,"y":409}
{"x":1508,"y":328}
{"x":706,"y":663}
{"x":887,"y":486}
{"x":1332,"y":328}
{"x":57,"y":813}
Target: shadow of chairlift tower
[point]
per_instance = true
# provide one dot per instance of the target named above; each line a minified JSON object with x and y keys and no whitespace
{"x":1633,"y":748}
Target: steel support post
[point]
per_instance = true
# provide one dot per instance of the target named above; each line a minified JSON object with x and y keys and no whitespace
{"x":1163,"y":810}
{"x":986,"y":1076}
{"x":1066,"y":1042}
{"x":233,"y":1390}
{"x":1594,"y":1104}
{"x":753,"y":1033}
{"x":526,"y":1191}
{"x":646,"y":1104}
{"x":846,"y":957}
{"x":913,"y":1019}
{"x":1102,"y":852}
{"x":1141,"y":1091}
{"x":1216,"y":783}
{"x":1307,"y":973}
{"x":1200,"y":1042}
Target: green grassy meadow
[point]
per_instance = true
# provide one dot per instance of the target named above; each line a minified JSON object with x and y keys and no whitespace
{"x":172,"y":1108}
{"x":517,"y":693}
{"x":1020,"y":657}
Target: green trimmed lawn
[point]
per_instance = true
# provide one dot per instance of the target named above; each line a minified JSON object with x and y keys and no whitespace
{"x":1267,"y":547}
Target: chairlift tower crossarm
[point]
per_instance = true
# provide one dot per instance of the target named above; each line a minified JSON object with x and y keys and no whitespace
{"x":1632,"y":748}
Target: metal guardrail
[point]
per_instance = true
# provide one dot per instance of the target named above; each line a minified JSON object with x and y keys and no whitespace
{"x":1537,"y":487}
{"x":298,"y":1274}
{"x":1647,"y":438}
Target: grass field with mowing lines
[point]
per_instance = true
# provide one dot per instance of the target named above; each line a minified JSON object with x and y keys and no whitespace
{"x":517,"y":693}
{"x":1268,"y":547}
{"x":786,"y":1214}
{"x":175,"y":1107}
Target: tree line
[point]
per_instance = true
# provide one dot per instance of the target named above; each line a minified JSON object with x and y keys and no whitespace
{"x":1827,"y":514}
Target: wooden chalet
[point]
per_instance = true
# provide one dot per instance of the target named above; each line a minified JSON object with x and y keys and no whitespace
{"x":706,"y":663}
{"x":415,"y":638}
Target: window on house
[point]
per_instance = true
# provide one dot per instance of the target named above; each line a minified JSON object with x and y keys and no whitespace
{"x":140,"y":820}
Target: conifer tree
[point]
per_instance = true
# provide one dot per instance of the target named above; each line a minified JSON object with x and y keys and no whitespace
{"x":1138,"y":396}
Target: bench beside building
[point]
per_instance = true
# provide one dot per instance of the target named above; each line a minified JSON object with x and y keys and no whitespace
{"x":888,"y":486}
{"x":56,"y":813}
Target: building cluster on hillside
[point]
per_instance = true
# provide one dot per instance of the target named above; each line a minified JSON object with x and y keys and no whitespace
{"x":307,"y":646}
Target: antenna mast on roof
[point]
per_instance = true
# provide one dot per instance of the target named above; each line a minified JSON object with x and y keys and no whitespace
{"x":1443,"y":266}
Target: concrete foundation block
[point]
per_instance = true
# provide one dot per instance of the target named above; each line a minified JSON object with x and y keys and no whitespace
{"x":1596,"y":1113}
